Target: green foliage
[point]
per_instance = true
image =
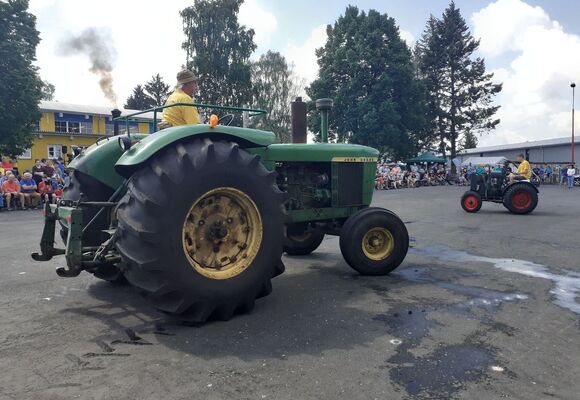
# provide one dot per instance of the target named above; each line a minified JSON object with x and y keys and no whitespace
{"x":218,"y":50}
{"x":139,"y":100}
{"x":469,"y":141}
{"x":48,"y":90}
{"x":274,"y":86}
{"x":460,"y":92}
{"x":20,"y":86}
{"x":157,"y":90}
{"x":152,"y":94}
{"x":366,"y":68}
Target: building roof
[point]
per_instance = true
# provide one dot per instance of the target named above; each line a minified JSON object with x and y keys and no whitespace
{"x":56,"y":106}
{"x":523,"y":145}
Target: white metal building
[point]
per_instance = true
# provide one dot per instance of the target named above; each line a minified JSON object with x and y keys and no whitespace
{"x":548,"y":151}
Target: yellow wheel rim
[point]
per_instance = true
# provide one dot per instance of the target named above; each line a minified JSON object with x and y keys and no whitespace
{"x":378,"y":243}
{"x":222,"y":233}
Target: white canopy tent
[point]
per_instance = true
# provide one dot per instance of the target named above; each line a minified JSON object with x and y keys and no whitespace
{"x":483,"y":161}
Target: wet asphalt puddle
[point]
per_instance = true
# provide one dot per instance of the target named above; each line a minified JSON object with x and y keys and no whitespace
{"x":566,"y":289}
{"x":445,"y":371}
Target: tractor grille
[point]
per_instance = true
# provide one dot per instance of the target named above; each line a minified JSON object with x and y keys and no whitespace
{"x":349,"y":183}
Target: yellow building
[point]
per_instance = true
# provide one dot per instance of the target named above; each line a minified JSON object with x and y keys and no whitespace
{"x":65,"y":125}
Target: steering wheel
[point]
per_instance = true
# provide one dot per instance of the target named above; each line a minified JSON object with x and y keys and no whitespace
{"x":226,"y":119}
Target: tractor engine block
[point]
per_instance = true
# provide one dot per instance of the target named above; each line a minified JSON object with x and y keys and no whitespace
{"x":308,"y":184}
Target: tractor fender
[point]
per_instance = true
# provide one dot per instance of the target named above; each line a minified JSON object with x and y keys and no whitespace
{"x":519,"y":183}
{"x":152,"y":144}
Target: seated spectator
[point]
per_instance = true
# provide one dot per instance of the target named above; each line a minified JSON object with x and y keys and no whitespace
{"x":28,"y":188}
{"x":11,"y":190}
{"x":46,"y":168}
{"x":37,"y":171}
{"x":60,"y":165}
{"x":46,"y":190}
{"x":7,"y":163}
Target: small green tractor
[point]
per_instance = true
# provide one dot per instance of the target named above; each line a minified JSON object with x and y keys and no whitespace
{"x":198,"y":216}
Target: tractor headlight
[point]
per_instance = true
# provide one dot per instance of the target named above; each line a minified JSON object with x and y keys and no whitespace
{"x":125,"y":143}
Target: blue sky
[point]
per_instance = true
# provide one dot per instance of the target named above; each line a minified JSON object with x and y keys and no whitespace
{"x":532,"y":46}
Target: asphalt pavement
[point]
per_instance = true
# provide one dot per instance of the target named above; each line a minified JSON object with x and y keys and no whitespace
{"x":485,"y":306}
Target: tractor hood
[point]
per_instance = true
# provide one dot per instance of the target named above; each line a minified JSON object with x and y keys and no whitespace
{"x":150,"y":145}
{"x":337,"y":152}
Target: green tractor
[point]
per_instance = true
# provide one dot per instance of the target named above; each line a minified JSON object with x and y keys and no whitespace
{"x":198,"y":216}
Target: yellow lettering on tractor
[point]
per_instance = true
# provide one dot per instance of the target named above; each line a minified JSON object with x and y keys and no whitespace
{"x":355,"y":159}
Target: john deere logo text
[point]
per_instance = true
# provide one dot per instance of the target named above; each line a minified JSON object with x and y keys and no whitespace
{"x":355,"y":159}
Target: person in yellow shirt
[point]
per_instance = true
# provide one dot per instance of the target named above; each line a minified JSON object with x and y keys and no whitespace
{"x":524,"y":170}
{"x":184,"y":91}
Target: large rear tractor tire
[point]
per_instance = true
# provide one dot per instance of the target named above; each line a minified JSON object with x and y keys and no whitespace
{"x":520,"y":198}
{"x":471,"y":201}
{"x":202,"y":229}
{"x":301,"y":242}
{"x":374,"y":241}
{"x":92,"y":190}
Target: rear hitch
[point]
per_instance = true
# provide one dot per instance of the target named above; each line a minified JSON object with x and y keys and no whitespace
{"x":65,"y":272}
{"x":47,"y":249}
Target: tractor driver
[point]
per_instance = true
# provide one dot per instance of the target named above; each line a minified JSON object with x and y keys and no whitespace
{"x":181,"y":115}
{"x":524,"y":170}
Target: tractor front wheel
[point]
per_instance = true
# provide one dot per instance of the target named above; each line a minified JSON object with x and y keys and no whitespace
{"x":202,"y":229}
{"x":301,"y":242}
{"x":374,"y":241}
{"x":471,"y":201}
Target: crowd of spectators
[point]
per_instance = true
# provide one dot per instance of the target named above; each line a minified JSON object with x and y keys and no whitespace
{"x":30,"y":189}
{"x":395,"y":176}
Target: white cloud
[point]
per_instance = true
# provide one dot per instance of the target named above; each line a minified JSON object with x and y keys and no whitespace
{"x":544,"y":59}
{"x":408,"y":37}
{"x":262,"y":21}
{"x":303,"y":56}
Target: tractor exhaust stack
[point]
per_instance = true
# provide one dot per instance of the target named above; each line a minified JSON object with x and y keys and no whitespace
{"x":116,"y":113}
{"x":299,"y":126}
{"x":324,"y":106}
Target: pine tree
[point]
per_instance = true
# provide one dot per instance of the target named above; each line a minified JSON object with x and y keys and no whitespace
{"x":274,"y":86}
{"x":157,"y":90}
{"x":366,"y":68}
{"x":458,"y":85}
{"x":469,"y":141}
{"x":20,"y":85}
{"x":218,"y":50}
{"x":139,"y":100}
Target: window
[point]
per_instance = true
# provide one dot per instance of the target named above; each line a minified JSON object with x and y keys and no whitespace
{"x":86,"y":127}
{"x":54,"y":151}
{"x":27,"y":155}
{"x":60,"y":126}
{"x":73,"y":127}
{"x":37,"y":126}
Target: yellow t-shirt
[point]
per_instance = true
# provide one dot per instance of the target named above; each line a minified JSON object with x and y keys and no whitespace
{"x":180,"y":115}
{"x":525,"y":170}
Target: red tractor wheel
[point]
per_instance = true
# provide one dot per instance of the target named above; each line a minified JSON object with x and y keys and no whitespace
{"x":471,"y":201}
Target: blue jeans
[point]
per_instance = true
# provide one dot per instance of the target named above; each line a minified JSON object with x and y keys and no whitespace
{"x":1,"y":200}
{"x":570,"y":181}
